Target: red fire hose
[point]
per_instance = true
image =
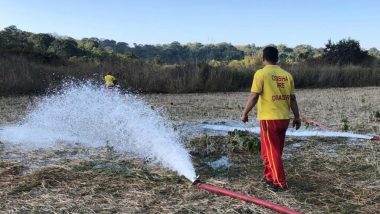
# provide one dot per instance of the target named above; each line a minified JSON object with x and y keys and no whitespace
{"x":247,"y":198}
{"x":312,"y":122}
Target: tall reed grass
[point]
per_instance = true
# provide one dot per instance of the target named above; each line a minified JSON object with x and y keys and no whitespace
{"x":326,"y":76}
{"x":20,"y":75}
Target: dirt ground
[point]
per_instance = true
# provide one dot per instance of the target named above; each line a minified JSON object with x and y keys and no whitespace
{"x":325,"y":175}
{"x":360,"y":107}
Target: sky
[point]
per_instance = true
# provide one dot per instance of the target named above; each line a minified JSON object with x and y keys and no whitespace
{"x":240,"y":22}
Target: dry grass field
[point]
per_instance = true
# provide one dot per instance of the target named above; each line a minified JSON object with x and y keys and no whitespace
{"x":325,"y":175}
{"x":359,"y":106}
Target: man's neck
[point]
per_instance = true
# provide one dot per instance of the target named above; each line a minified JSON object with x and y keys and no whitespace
{"x":268,"y":63}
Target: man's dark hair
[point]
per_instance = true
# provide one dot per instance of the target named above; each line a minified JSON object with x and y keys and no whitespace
{"x":270,"y":54}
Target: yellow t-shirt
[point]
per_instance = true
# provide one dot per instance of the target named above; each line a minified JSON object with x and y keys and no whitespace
{"x":275,"y":86}
{"x":109,"y":80}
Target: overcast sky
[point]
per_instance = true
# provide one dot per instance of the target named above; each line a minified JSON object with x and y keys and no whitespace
{"x":261,"y":22}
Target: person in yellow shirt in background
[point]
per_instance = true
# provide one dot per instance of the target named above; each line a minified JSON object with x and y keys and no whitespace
{"x":109,"y":80}
{"x":273,"y":92}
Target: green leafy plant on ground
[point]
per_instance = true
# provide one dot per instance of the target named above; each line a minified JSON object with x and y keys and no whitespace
{"x":244,"y":141}
{"x":344,"y":124}
{"x":377,"y":114}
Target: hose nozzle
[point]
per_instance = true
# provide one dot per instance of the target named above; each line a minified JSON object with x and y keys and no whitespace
{"x":197,"y":180}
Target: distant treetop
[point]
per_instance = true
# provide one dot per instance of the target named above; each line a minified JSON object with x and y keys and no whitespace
{"x":50,"y":47}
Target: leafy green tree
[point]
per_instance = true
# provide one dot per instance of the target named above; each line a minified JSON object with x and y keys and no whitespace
{"x":99,"y":53}
{"x":249,"y":50}
{"x":88,"y":44}
{"x":214,"y":63}
{"x":374,"y":52}
{"x":15,"y":40}
{"x":285,"y":54}
{"x":41,"y":41}
{"x":121,"y":47}
{"x":303,"y":52}
{"x":346,"y":51}
{"x":66,"y":48}
{"x":175,"y":52}
{"x":108,"y":43}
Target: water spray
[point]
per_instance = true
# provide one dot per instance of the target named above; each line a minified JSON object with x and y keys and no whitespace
{"x":91,"y":116}
{"x":322,"y":126}
{"x":293,"y":132}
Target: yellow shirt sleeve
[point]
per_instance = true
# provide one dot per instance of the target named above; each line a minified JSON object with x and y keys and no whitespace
{"x":257,"y":84}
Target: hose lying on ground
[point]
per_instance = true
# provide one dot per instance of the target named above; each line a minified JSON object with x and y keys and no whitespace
{"x":247,"y":198}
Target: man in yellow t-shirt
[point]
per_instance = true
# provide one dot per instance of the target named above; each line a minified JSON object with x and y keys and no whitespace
{"x":273,"y":92}
{"x":109,"y":80}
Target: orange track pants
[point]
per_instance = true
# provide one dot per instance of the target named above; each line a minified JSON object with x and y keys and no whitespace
{"x":272,"y":134}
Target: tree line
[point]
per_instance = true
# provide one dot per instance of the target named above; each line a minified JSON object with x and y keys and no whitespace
{"x":34,"y":62}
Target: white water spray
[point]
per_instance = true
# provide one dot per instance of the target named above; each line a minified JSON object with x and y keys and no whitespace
{"x":92,"y":116}
{"x":290,"y":132}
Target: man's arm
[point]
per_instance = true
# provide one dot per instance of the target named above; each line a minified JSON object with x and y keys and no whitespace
{"x":294,"y":107}
{"x":251,"y":102}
